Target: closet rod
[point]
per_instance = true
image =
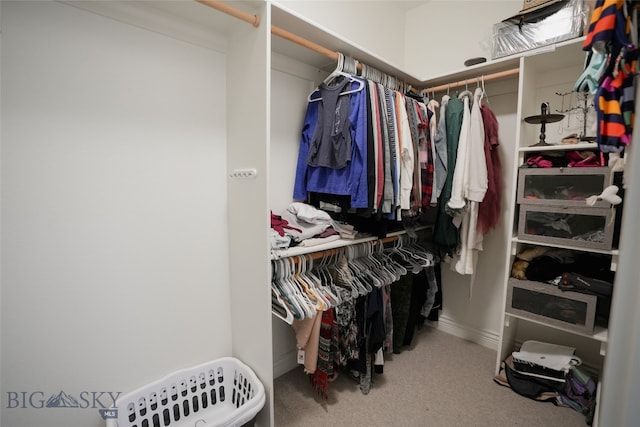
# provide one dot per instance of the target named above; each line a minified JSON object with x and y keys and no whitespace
{"x":493,"y":76}
{"x":280,"y":32}
{"x":334,"y":251}
{"x":233,"y":11}
{"x":255,"y":21}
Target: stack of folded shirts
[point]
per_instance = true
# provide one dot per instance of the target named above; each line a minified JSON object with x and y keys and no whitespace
{"x":346,"y":231}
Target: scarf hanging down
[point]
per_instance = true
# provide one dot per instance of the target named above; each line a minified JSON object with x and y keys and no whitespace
{"x":326,"y":352}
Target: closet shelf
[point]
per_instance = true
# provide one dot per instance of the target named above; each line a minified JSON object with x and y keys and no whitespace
{"x":288,"y":19}
{"x":303,"y":250}
{"x":560,"y":147}
{"x":612,"y":252}
{"x":600,"y":333}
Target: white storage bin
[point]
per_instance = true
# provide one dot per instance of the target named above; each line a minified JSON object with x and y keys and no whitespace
{"x":221,"y":393}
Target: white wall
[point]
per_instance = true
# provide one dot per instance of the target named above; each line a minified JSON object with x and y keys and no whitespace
{"x":441,"y":34}
{"x":114,"y":265}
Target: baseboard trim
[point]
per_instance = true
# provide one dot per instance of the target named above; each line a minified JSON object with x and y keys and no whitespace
{"x":285,"y":363}
{"x":489,"y":339}
{"x":483,"y":337}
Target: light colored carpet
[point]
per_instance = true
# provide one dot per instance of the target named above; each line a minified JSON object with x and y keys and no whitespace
{"x":441,"y":380}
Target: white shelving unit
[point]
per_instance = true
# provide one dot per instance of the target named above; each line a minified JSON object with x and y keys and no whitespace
{"x":541,"y":77}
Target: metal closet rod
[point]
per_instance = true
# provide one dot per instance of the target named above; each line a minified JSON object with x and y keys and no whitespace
{"x":280,"y":32}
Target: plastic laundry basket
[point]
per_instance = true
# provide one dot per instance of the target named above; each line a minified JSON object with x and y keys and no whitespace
{"x":223,"y":392}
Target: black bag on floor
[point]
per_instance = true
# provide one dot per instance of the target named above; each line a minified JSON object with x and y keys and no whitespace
{"x":529,"y":386}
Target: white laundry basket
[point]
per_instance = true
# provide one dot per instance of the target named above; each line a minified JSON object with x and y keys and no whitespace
{"x":223,"y":393}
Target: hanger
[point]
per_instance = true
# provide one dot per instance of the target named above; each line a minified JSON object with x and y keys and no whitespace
{"x":389,"y":268}
{"x":316,"y":300}
{"x":327,"y":282}
{"x":484,"y":91}
{"x":395,"y":267}
{"x":339,"y":72}
{"x":362,"y":285}
{"x":323,"y":291}
{"x":297,"y":293}
{"x":282,"y":286}
{"x":477,"y":95}
{"x":345,"y":275}
{"x":369,"y":266}
{"x":466,"y":92}
{"x":279,"y":308}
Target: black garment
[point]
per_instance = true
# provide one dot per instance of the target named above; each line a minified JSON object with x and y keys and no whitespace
{"x":371,"y":161}
{"x":331,"y":142}
{"x":400,"y":307}
{"x":437,"y":305}
{"x":419,"y":287}
{"x":371,"y":328}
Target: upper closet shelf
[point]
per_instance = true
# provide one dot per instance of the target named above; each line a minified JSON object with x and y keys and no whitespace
{"x":285,"y":18}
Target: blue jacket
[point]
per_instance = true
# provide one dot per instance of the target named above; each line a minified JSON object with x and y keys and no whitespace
{"x":348,"y":181}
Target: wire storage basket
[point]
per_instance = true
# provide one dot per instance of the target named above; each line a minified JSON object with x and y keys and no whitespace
{"x":221,"y":393}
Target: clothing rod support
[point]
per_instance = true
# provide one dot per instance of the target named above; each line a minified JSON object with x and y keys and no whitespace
{"x":233,"y":11}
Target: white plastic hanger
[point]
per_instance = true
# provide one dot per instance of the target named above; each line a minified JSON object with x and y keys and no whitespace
{"x":466,"y":92}
{"x":295,"y":290}
{"x":314,"y":301}
{"x":305,"y":264}
{"x":484,"y":91}
{"x":284,"y":290}
{"x":279,"y":308}
{"x":338,"y":72}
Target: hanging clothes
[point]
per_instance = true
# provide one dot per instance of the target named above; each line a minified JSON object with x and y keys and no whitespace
{"x":445,"y":235}
{"x":406,"y":153}
{"x":473,"y":187}
{"x":432,"y":106}
{"x":416,"y":133}
{"x":426,"y":157}
{"x":394,"y":159}
{"x":609,"y":36}
{"x":440,"y":144}
{"x":350,"y":180}
{"x":456,"y":201}
{"x":490,"y":208}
